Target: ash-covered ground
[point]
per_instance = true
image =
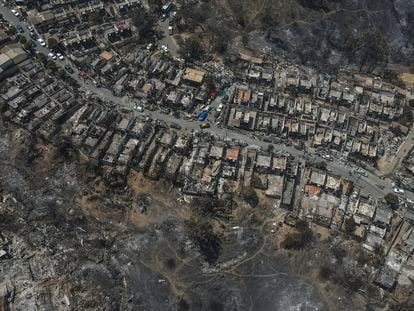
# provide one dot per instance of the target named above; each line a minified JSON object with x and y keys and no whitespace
{"x":71,"y":243}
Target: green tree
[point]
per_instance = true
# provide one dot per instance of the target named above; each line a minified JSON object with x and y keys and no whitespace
{"x":391,"y":199}
{"x":112,"y":11}
{"x":270,"y":148}
{"x":209,"y":83}
{"x":22,"y":40}
{"x":27,"y":46}
{"x":52,"y":42}
{"x":50,"y":65}
{"x":370,"y":48}
{"x":349,"y":225}
{"x":11,"y":31}
{"x":42,"y":58}
{"x":201,"y":233}
{"x":191,"y":49}
{"x":392,"y":77}
{"x":299,"y":239}
{"x":321,"y":165}
{"x":143,"y":22}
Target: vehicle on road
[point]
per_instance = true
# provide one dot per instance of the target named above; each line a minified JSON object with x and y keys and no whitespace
{"x":19,"y":29}
{"x":175,"y":126}
{"x":60,"y":56}
{"x":164,"y":48}
{"x":220,"y":108}
{"x":30,"y":28}
{"x":163,"y":17}
{"x":150,"y":46}
{"x":225,"y":99}
{"x":170,"y":30}
{"x":327,"y":157}
{"x":15,"y":12}
{"x":139,"y":108}
{"x":41,"y":42}
{"x":98,"y":84}
{"x":52,"y":55}
{"x":399,"y":191}
{"x":202,"y":116}
{"x":69,"y":69}
{"x":204,"y":125}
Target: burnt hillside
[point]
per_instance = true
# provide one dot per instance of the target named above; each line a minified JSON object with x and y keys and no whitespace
{"x":323,"y":31}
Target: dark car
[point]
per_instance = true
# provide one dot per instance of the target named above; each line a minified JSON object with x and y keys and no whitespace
{"x":19,"y":29}
{"x":175,"y":126}
{"x":69,"y":69}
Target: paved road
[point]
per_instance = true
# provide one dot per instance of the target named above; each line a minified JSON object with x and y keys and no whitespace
{"x":13,"y":20}
{"x":168,"y":39}
{"x":373,"y":184}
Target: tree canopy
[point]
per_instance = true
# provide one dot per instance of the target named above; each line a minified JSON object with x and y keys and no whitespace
{"x":391,"y":199}
{"x":144,"y":22}
{"x":370,"y":49}
{"x":191,"y":49}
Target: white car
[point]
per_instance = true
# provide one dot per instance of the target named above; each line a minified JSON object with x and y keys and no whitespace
{"x":139,"y":108}
{"x":41,"y":42}
{"x":220,"y":108}
{"x":149,"y":46}
{"x":398,"y":191}
{"x":51,"y":55}
{"x":15,"y":13}
{"x":164,"y":48}
{"x":60,"y":56}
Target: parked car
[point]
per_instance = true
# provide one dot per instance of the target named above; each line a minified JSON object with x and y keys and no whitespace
{"x":19,"y":29}
{"x":69,"y":69}
{"x":204,"y":125}
{"x":202,"y":116}
{"x":15,"y":12}
{"x":52,"y":55}
{"x":60,"y":56}
{"x":41,"y":42}
{"x":175,"y":126}
{"x":399,"y":191}
{"x":139,"y":108}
